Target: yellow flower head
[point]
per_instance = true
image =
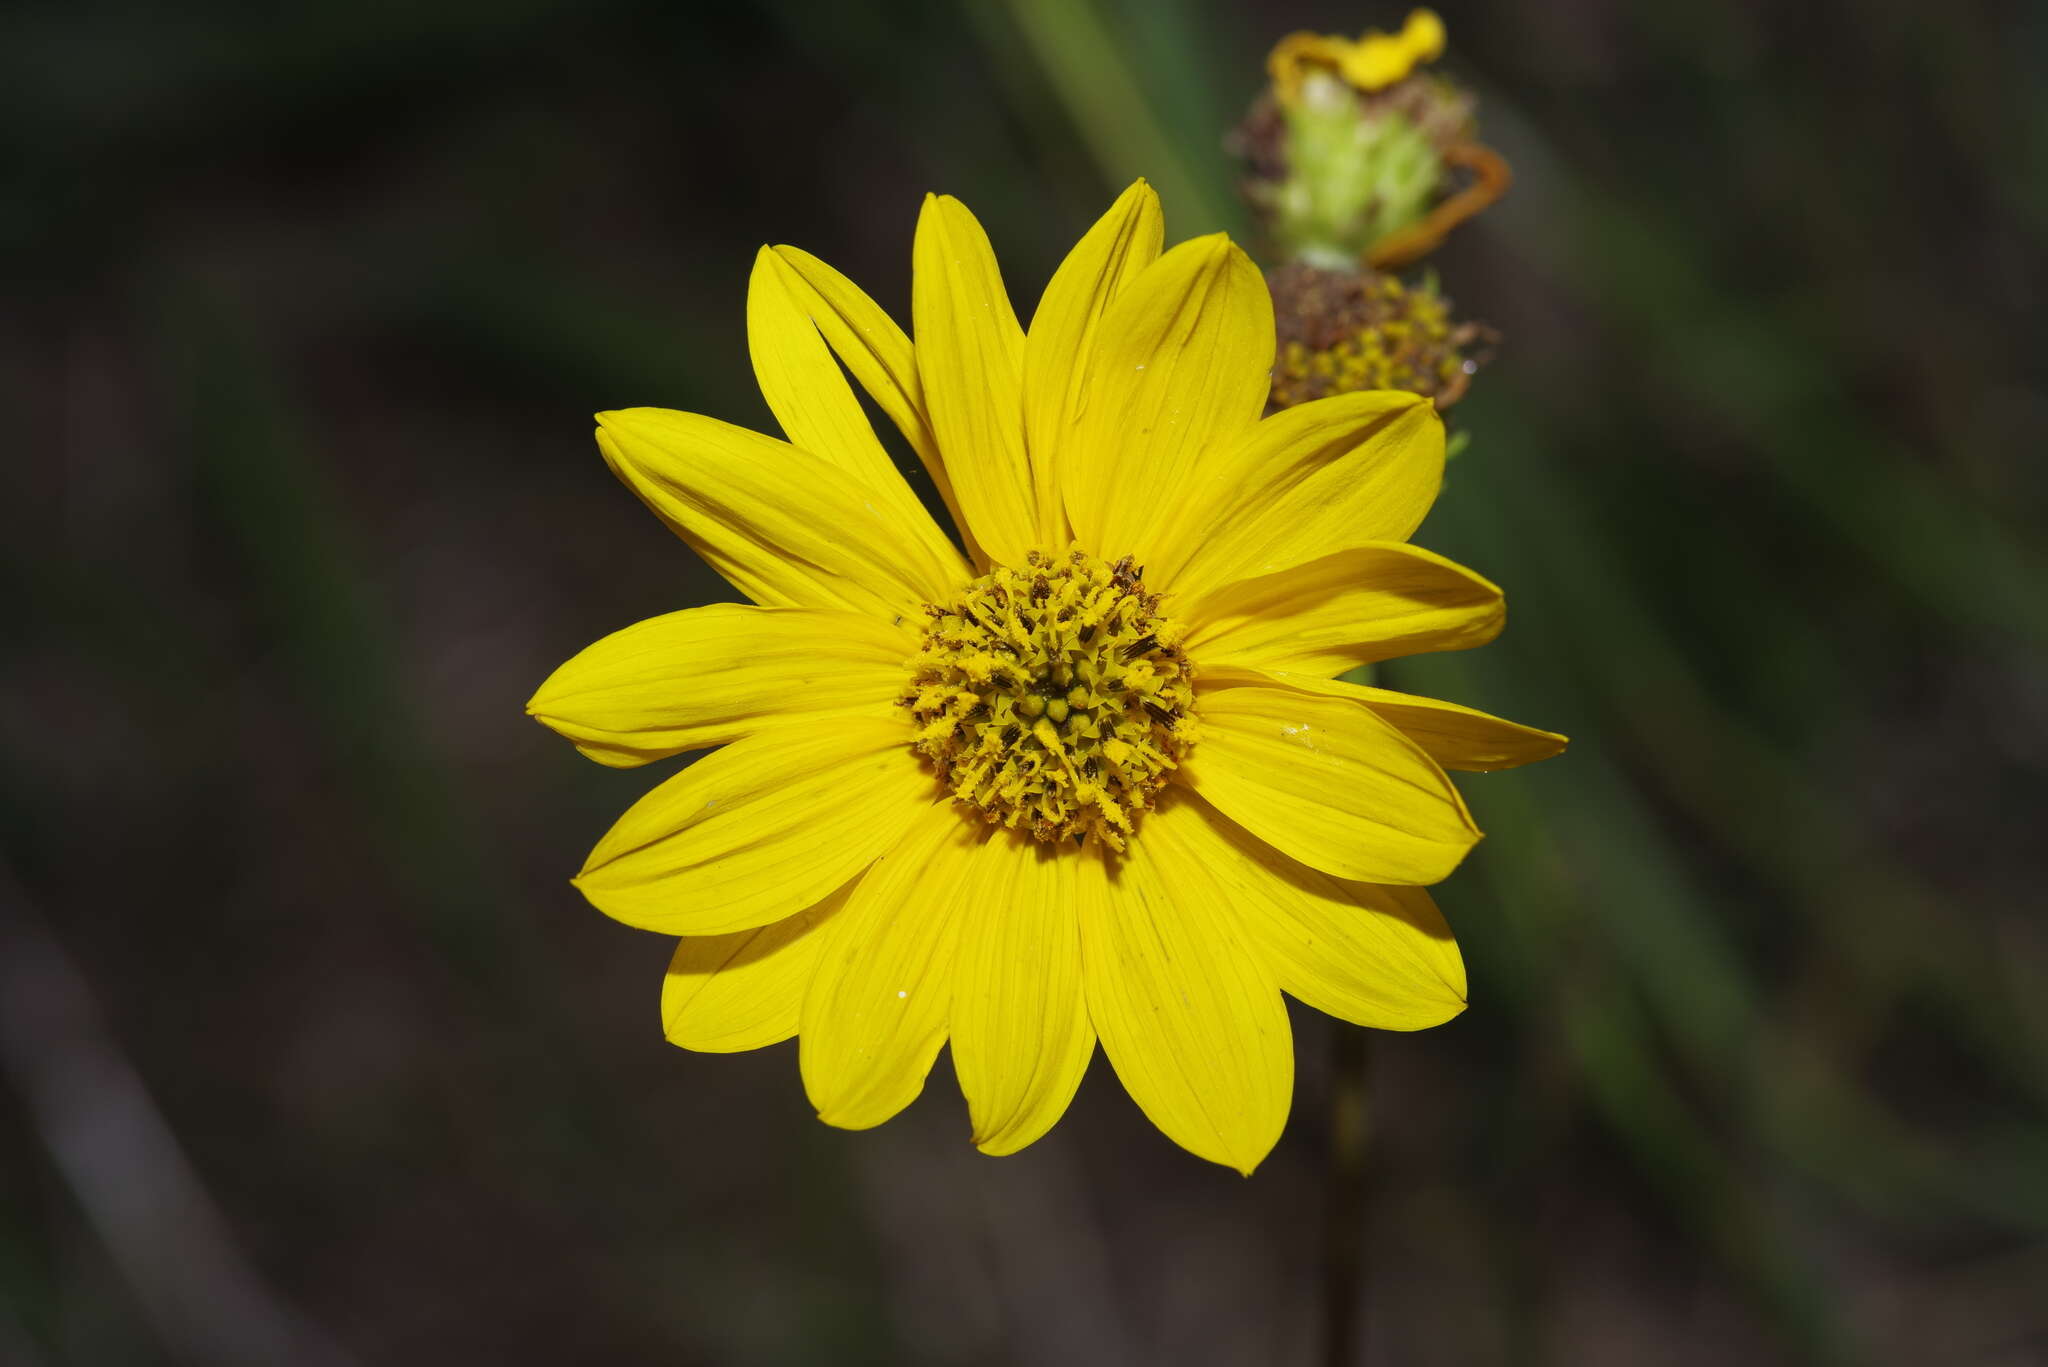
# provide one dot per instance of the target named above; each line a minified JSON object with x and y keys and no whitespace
{"x":1376,"y":61}
{"x":1088,"y":778}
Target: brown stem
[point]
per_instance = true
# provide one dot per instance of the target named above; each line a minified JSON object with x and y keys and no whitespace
{"x":1344,"y":1267}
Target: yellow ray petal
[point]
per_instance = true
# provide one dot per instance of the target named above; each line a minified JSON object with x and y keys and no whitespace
{"x":1188,"y":1013}
{"x":879,"y":356}
{"x":728,"y":993}
{"x":875,"y":1015}
{"x":1373,"y":602}
{"x":807,"y":391}
{"x":1108,"y":257}
{"x":970,"y":356}
{"x":1455,"y":737}
{"x":1021,"y":1037}
{"x":1463,"y":737}
{"x":761,"y":829}
{"x":1373,"y":955}
{"x":1181,"y":365}
{"x":783,"y":526}
{"x":713,"y":674}
{"x":1310,"y":480}
{"x":1377,"y":60}
{"x":1329,"y":783}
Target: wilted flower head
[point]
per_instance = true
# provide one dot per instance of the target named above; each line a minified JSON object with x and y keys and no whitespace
{"x":1356,"y":155}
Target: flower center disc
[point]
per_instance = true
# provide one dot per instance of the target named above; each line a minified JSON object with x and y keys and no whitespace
{"x":1053,"y":699}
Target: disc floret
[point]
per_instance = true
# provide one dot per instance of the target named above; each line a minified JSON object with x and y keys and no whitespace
{"x":1052,"y":698}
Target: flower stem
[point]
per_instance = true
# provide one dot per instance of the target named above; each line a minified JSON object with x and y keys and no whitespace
{"x":1344,"y":1269}
{"x":1096,"y":73}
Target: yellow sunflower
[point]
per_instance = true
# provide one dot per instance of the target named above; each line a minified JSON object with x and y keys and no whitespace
{"x":1090,"y":779}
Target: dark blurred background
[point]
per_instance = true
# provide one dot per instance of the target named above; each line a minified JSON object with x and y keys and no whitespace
{"x":309,"y":1053}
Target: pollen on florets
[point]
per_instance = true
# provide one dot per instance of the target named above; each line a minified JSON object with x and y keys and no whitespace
{"x":1340,"y":331}
{"x":1052,"y":698}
